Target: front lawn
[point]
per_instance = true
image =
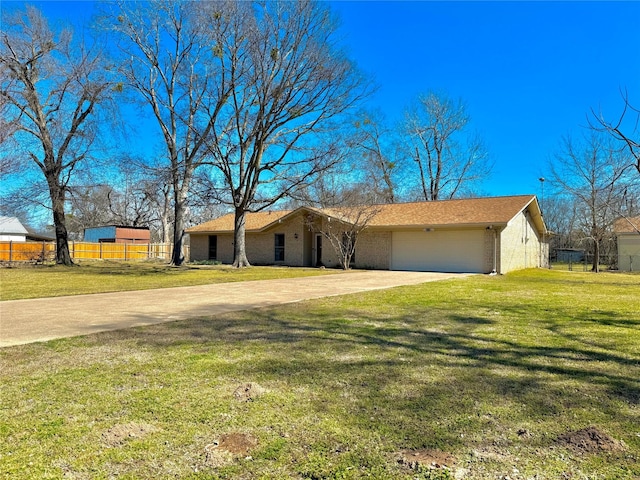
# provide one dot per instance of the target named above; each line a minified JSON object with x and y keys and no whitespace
{"x":532,"y":375}
{"x":99,"y":276}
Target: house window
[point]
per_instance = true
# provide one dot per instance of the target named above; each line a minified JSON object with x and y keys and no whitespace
{"x":279,"y":247}
{"x":213,"y":247}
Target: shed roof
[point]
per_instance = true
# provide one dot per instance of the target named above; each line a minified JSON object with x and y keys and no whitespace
{"x":113,"y":225}
{"x":11,"y":225}
{"x":443,"y":213}
{"x":627,"y":225}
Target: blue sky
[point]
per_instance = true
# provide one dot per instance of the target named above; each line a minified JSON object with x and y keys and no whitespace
{"x":529,"y":72}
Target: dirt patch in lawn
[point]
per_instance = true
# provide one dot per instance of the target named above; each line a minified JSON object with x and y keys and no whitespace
{"x":589,"y":440}
{"x":121,"y":433}
{"x":248,"y":392}
{"x":426,"y":458}
{"x":229,"y":445}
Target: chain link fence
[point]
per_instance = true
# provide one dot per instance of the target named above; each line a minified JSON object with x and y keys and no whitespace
{"x":584,"y":263}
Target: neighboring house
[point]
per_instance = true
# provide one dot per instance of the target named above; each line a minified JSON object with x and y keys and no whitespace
{"x":480,"y":235}
{"x":11,"y":230}
{"x":117,"y":234}
{"x":627,"y":231}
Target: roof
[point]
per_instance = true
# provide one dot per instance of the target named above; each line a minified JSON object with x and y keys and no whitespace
{"x":112,"y":225}
{"x":11,"y":225}
{"x":40,"y":237}
{"x":461,"y":212}
{"x":627,"y":225}
{"x":469,"y":212}
{"x":253,"y":222}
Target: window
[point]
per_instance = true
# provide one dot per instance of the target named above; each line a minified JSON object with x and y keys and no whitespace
{"x":213,"y":247}
{"x":279,"y":247}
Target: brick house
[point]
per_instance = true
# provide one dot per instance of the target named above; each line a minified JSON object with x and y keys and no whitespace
{"x":479,"y":235}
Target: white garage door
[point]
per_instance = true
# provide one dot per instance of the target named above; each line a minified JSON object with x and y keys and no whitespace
{"x":438,"y":251}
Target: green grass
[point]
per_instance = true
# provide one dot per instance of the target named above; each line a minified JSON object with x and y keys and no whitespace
{"x":113,"y":276}
{"x":491,"y":370}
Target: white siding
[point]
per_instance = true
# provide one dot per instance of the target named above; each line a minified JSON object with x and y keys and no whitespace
{"x":629,"y":252}
{"x":521,"y":245}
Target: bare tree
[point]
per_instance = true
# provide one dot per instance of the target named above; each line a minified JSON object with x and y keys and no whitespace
{"x":170,"y":58}
{"x":561,"y":217}
{"x":448,"y":160}
{"x":89,"y":207}
{"x":594,"y":172}
{"x":290,"y":84}
{"x":342,"y":227}
{"x":51,"y":91}
{"x":615,"y":129}
{"x":10,"y":159}
{"x":374,"y":144}
{"x":133,"y":194}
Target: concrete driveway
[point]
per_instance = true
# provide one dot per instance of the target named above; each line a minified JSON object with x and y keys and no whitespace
{"x":27,"y":321}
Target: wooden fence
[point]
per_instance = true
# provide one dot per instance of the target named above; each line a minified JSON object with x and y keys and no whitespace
{"x":38,"y":252}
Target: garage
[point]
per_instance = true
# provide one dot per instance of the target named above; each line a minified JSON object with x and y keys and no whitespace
{"x":439,"y":251}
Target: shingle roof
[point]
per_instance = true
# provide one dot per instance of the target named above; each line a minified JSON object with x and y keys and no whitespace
{"x":253,"y":222}
{"x":627,"y":225}
{"x":449,"y":213}
{"x":470,"y":211}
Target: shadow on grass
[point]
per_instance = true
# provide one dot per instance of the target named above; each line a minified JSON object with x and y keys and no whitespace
{"x":523,"y":369}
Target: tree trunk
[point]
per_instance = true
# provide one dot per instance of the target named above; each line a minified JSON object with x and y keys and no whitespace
{"x":239,"y":252}
{"x":63,"y":256}
{"x":177,"y":257}
{"x":164,"y":218}
{"x":595,"y":267}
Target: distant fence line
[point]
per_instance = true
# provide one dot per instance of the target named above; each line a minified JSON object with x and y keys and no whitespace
{"x":622,"y":263}
{"x":37,"y":252}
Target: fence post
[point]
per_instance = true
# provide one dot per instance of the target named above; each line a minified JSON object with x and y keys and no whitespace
{"x":10,"y":250}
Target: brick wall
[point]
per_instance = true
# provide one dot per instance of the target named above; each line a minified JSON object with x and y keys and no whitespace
{"x":373,"y":250}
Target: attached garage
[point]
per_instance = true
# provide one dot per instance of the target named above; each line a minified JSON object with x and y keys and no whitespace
{"x":439,"y":251}
{"x":473,"y":235}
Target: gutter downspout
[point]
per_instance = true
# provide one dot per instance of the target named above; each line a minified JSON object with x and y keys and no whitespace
{"x":494,"y":271}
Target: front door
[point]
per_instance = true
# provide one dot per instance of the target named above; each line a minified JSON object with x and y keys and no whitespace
{"x":318,"y":250}
{"x":213,"y":247}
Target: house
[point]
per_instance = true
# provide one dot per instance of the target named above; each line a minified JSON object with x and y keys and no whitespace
{"x":11,"y":230}
{"x":627,"y":232}
{"x":482,"y":235}
{"x":117,"y":234}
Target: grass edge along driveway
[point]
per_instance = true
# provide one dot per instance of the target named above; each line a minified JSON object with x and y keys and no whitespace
{"x":493,"y":376}
{"x":24,"y":282}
